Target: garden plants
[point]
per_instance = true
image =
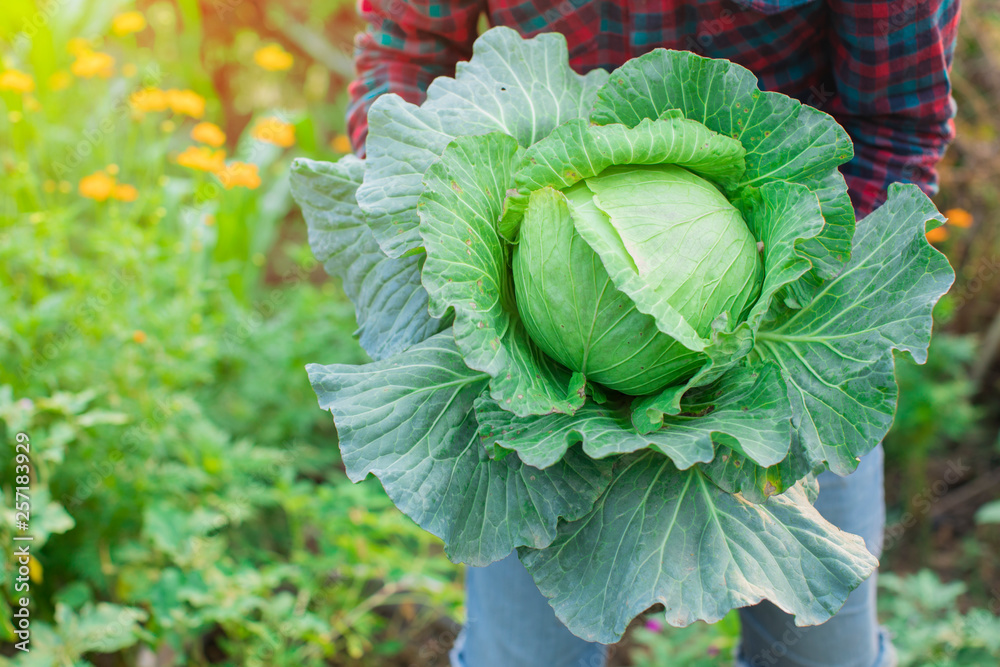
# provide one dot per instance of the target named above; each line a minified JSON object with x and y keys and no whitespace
{"x":618,"y":323}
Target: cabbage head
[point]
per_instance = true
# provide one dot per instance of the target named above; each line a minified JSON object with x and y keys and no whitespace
{"x":617,"y":323}
{"x":670,"y":226}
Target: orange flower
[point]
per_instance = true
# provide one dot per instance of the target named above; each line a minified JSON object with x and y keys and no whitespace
{"x":98,"y":186}
{"x":89,"y":64}
{"x":274,"y":131}
{"x":149,"y":99}
{"x":60,"y":80}
{"x":186,"y":102}
{"x":202,"y":159}
{"x":240,"y":174}
{"x":937,"y":235}
{"x":125,"y":193}
{"x":341,"y":144}
{"x":128,"y":22}
{"x":273,"y":58}
{"x":139,"y":336}
{"x":17,"y":81}
{"x":959,"y":217}
{"x":208,"y":133}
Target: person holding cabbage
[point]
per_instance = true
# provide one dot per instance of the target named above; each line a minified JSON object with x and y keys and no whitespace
{"x":881,"y":69}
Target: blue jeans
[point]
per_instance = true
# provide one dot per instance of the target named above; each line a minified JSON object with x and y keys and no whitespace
{"x":510,"y":624}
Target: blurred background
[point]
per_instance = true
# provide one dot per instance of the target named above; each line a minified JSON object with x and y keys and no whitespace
{"x":158,"y":302}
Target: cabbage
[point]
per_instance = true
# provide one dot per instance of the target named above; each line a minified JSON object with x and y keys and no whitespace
{"x":670,"y":227}
{"x":618,"y":323}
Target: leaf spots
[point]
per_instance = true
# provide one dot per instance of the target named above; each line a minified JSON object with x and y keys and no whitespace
{"x":769,"y":489}
{"x":456,"y":187}
{"x":481,"y":325}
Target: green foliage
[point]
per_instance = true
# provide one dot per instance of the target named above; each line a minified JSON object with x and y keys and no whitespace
{"x":186,"y":497}
{"x":935,"y":399}
{"x":698,"y":645}
{"x":923,"y":615}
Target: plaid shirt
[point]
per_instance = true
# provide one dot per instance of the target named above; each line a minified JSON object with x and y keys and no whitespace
{"x":880,"y":68}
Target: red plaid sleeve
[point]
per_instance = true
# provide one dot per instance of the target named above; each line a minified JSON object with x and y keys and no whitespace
{"x":891,"y":64}
{"x":407,"y":45}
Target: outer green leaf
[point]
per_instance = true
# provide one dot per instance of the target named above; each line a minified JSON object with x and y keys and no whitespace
{"x":748,"y":410}
{"x":604,"y":430}
{"x":578,"y":150}
{"x":403,"y":141}
{"x":408,"y":420}
{"x":784,"y":140}
{"x":389,"y":302}
{"x":836,"y":350}
{"x":661,"y":535}
{"x":735,"y":473}
{"x":523,"y":88}
{"x":468,"y":269}
{"x":784,"y":218}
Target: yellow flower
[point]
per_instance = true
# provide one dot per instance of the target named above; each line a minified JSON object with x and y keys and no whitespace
{"x":60,"y":80}
{"x":129,"y":70}
{"x":208,"y":133}
{"x":49,"y":186}
{"x":125,"y":193}
{"x":186,"y":102}
{"x":139,"y":336}
{"x":937,"y":235}
{"x":93,"y":63}
{"x":167,"y":126}
{"x":240,"y":174}
{"x":31,"y":104}
{"x":959,"y":217}
{"x":98,"y":186}
{"x":78,"y":46}
{"x":17,"y":81}
{"x":274,"y":131}
{"x":202,"y":159}
{"x":149,"y":99}
{"x":341,"y":144}
{"x":273,"y":58}
{"x":128,"y":22}
{"x":112,"y":169}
